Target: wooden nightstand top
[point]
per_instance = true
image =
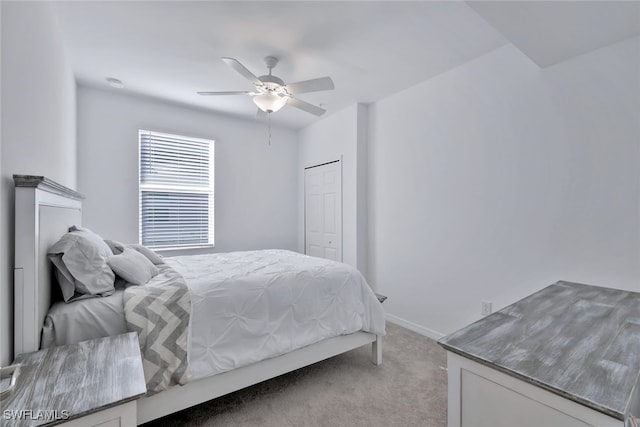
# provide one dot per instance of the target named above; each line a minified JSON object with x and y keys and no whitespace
{"x":80,"y":379}
{"x":578,"y":341}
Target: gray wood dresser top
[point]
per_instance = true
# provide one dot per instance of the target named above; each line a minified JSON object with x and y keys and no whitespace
{"x":579,"y":341}
{"x":82,"y":378}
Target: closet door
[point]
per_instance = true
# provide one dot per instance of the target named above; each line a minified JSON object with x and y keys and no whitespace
{"x":323,"y":210}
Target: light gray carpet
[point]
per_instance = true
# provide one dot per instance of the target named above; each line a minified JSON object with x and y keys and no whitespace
{"x":408,"y":389}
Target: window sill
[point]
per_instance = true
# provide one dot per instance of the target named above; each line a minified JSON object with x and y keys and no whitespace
{"x":180,"y":248}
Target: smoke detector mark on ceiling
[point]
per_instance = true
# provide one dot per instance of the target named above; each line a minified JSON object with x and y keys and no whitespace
{"x":113,"y":82}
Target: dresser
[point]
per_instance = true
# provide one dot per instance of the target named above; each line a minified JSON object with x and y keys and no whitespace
{"x":89,"y":384}
{"x":566,"y":356}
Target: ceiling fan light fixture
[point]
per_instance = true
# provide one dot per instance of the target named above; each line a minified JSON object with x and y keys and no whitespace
{"x":272,"y":93}
{"x":269,"y":102}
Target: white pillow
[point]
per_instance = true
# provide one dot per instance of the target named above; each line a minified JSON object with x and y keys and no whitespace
{"x":132,"y":266}
{"x":80,"y":257}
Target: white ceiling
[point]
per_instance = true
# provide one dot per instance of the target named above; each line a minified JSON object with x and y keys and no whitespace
{"x":549,"y":32}
{"x":171,"y":49}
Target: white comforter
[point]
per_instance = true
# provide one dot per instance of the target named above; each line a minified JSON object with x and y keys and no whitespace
{"x":250,"y":306}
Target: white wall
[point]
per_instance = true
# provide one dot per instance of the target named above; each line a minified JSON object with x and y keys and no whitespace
{"x":339,"y":136}
{"x":38,"y":124}
{"x":255,"y":184}
{"x":498,"y":178}
{"x":4,"y":351}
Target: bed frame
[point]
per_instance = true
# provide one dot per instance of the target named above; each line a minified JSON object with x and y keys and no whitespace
{"x":44,"y":211}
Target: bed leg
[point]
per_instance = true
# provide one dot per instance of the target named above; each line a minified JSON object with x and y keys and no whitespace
{"x":376,"y":350}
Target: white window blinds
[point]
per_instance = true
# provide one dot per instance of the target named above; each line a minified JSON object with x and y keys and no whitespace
{"x":176,"y":191}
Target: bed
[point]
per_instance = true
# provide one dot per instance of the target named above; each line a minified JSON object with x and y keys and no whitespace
{"x":44,"y":212}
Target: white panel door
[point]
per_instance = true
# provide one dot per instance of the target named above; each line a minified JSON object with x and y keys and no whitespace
{"x":323,"y":211}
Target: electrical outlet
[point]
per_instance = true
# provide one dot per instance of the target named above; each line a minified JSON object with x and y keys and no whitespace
{"x":485,"y":308}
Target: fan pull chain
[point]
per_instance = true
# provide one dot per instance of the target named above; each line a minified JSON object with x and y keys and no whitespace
{"x":269,"y":119}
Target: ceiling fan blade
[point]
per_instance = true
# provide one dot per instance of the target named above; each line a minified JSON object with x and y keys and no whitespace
{"x":313,"y":85}
{"x":236,"y":92}
{"x":236,"y":65}
{"x":305,"y":106}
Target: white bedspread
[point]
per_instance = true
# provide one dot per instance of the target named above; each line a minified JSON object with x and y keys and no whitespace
{"x":250,"y":306}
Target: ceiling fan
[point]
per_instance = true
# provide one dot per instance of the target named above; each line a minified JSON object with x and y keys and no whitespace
{"x":271,"y":93}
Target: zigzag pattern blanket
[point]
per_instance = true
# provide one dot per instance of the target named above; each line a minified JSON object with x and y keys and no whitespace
{"x":159,"y":312}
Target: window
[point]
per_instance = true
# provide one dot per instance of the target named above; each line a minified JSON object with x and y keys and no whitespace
{"x":176,"y":191}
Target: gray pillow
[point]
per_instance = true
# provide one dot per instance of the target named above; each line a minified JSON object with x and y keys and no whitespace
{"x":80,"y":258}
{"x":94,"y":238}
{"x":118,"y":247}
{"x":115,"y":246}
{"x":64,"y":277}
{"x":132,"y":266}
{"x":150,"y":254}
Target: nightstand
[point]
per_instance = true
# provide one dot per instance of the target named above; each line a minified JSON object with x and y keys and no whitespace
{"x":89,"y":384}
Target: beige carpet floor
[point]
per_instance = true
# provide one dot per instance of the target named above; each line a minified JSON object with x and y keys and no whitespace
{"x":408,"y":389}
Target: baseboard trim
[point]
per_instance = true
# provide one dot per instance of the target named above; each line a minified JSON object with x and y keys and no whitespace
{"x":430,"y":333}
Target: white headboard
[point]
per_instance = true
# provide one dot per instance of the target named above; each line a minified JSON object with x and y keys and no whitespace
{"x":44,"y":211}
